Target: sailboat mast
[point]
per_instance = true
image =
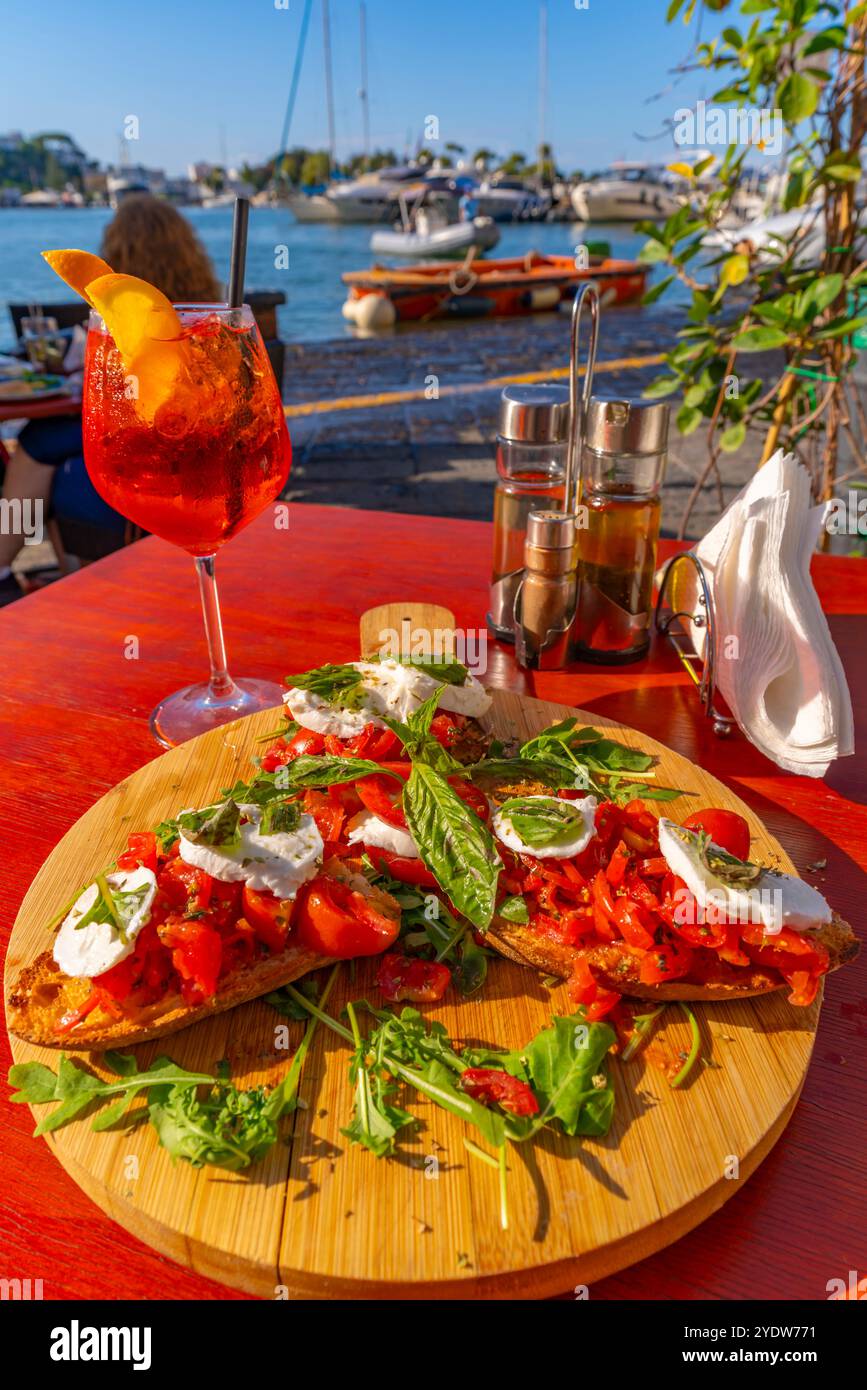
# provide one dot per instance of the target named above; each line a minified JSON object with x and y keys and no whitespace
{"x":293,"y":89}
{"x":543,"y":83}
{"x":365,"y":101}
{"x":329,"y":86}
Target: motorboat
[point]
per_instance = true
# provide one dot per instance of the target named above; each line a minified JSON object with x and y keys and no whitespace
{"x":372,"y":198}
{"x":505,"y":199}
{"x":431,"y":237}
{"x":529,"y":284}
{"x":627,"y":192}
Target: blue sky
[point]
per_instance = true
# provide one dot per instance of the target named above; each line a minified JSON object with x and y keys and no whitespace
{"x":209,"y":78}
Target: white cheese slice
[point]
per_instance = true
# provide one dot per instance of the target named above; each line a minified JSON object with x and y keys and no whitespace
{"x":774,"y":901}
{"x":585,"y":829}
{"x":368,"y":829}
{"x":277,"y":864}
{"x":83,"y":952}
{"x":387,"y":688}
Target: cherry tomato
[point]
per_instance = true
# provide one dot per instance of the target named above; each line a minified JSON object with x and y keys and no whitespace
{"x":141,"y":851}
{"x":397,"y":866}
{"x":269,"y":916}
{"x":493,"y":1087}
{"x":405,"y":977}
{"x":333,"y":919}
{"x":378,"y":795}
{"x":726,"y":828}
{"x":618,"y":864}
{"x":224,"y":904}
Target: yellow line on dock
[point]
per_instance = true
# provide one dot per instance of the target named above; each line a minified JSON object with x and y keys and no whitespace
{"x":617,"y":364}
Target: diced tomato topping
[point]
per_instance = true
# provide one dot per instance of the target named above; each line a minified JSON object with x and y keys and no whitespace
{"x":585,"y":989}
{"x":285,"y":751}
{"x":668,"y":960}
{"x":472,"y":797}
{"x":407,"y":977}
{"x":635,"y":923}
{"x":446,"y":729}
{"x":329,"y":812}
{"x":182,"y":886}
{"x":197,"y":952}
{"x":493,"y":1087}
{"x":141,"y":852}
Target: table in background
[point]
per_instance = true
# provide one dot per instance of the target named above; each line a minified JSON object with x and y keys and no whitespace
{"x":73,"y":722}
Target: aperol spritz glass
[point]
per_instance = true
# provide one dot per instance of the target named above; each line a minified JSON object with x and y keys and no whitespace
{"x":192,"y":449}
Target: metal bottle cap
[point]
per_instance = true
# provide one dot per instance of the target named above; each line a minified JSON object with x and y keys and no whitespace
{"x":615,"y":425}
{"x":535,"y":414}
{"x":550,"y":530}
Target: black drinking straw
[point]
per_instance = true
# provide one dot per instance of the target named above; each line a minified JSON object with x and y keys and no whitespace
{"x":239,"y":252}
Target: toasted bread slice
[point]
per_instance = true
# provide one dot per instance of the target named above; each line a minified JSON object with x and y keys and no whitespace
{"x":615,"y":967}
{"x":42,"y":994}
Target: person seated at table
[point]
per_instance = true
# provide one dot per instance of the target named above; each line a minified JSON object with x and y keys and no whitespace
{"x":148,"y":238}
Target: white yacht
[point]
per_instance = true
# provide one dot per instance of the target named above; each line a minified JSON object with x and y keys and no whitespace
{"x":627,"y":192}
{"x":372,"y":198}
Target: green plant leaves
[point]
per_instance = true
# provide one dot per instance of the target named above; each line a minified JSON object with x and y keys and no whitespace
{"x":797,"y":97}
{"x":760,"y":339}
{"x":453,"y":843}
{"x":732,"y":438}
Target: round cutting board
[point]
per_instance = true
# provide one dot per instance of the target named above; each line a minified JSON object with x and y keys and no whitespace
{"x":319,"y":1218}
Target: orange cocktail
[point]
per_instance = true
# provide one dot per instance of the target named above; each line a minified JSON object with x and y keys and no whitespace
{"x":184,"y":434}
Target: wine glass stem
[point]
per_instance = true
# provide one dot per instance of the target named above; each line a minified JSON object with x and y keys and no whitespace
{"x":221,"y":682}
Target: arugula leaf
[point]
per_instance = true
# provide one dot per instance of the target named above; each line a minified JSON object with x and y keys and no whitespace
{"x":218,"y":826}
{"x":453,"y":843}
{"x":167,"y":832}
{"x":376,"y":1121}
{"x":226,"y":1127}
{"x":568,"y":1071}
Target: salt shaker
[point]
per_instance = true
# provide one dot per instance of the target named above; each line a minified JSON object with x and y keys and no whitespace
{"x":532,"y":444}
{"x":545,"y":601}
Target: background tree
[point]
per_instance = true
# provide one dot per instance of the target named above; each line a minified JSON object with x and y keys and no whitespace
{"x":804,"y":59}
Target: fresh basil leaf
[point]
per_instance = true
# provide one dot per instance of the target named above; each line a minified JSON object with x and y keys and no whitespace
{"x":167,"y":833}
{"x":552,"y":773}
{"x":454,"y":844}
{"x":217,"y":826}
{"x":542,"y":821}
{"x":514,"y":910}
{"x":280,"y":818}
{"x":320,"y":770}
{"x":415,"y":735}
{"x":340,"y":685}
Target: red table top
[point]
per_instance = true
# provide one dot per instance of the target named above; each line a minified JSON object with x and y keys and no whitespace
{"x":73,"y":722}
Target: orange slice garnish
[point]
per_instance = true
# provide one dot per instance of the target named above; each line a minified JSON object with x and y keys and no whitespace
{"x":77,"y":268}
{"x":135,"y":313}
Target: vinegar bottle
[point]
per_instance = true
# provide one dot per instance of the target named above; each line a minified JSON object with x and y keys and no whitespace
{"x":622,"y":467}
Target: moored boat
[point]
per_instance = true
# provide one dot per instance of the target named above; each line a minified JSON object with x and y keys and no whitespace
{"x":522,"y":285}
{"x":448,"y":240}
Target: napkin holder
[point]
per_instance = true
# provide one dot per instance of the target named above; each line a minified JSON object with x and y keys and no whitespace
{"x":673,"y":623}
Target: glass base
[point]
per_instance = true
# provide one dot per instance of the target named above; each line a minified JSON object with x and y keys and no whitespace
{"x":196,"y":709}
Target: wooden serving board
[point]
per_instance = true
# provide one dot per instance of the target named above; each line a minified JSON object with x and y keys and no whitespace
{"x":319,"y":1218}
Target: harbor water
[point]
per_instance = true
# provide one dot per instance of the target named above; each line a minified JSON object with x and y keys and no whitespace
{"x":305,"y":261}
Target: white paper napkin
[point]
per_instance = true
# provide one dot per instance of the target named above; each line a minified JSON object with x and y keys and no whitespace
{"x":776,"y":665}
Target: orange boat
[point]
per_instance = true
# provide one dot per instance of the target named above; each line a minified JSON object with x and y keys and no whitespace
{"x":524,"y":285}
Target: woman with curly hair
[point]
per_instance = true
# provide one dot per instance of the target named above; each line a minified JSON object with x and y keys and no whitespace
{"x":148,"y":238}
